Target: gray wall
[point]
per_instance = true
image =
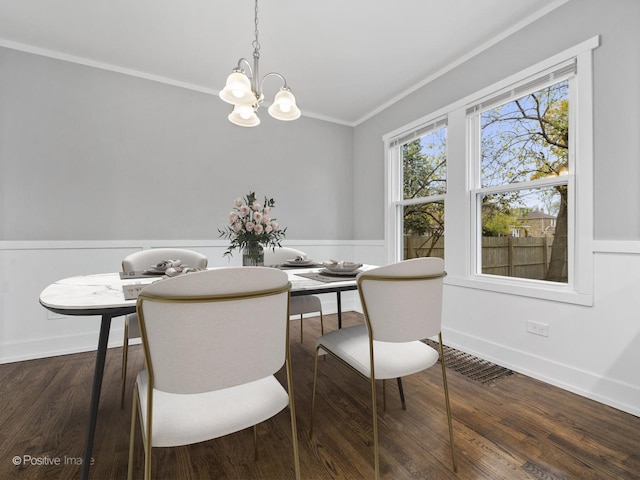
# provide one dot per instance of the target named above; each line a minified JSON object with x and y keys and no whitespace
{"x":616,"y":103}
{"x":89,"y":154}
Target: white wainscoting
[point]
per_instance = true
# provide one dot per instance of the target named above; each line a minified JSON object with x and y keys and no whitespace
{"x":591,"y":350}
{"x":28,"y":331}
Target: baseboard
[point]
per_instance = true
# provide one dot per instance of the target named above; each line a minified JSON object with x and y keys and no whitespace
{"x":582,"y":383}
{"x":57,"y":346}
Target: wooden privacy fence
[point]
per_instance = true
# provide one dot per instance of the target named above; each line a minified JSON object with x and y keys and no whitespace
{"x":523,"y":257}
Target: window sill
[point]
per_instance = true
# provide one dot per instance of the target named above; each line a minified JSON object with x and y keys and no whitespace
{"x":533,"y":289}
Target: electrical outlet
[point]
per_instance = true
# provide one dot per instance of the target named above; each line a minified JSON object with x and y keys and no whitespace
{"x":538,"y":328}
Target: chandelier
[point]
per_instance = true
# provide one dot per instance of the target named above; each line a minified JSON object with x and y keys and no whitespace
{"x":245,"y":93}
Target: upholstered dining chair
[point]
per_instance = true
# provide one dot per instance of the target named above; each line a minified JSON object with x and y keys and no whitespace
{"x":213,"y":341}
{"x":298,"y":306}
{"x":402,"y":305}
{"x":143,"y":260}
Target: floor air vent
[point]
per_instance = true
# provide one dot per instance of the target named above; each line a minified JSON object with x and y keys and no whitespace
{"x":472,"y":367}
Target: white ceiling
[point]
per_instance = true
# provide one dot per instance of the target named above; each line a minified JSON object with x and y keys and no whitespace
{"x":343,"y":59}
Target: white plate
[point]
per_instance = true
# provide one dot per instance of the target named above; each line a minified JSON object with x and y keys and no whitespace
{"x":339,"y":273}
{"x":298,"y":263}
{"x":342,"y":267}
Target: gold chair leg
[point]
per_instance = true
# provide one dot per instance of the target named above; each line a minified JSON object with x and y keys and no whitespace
{"x":147,"y":440}
{"x":255,"y":443}
{"x":147,"y":462}
{"x":376,"y":453}
{"x":292,"y":411}
{"x":134,"y":411}
{"x":384,"y":395}
{"x":446,"y":398}
{"x":313,"y":393}
{"x":125,"y":355}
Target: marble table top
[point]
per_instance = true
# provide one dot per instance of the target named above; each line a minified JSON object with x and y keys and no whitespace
{"x":99,"y":292}
{"x":87,"y":292}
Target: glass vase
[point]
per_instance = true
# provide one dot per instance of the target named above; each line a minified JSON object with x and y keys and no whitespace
{"x":253,"y":255}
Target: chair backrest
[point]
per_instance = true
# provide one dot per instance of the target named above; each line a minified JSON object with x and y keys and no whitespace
{"x":144,"y":259}
{"x":281,"y":255}
{"x":402,"y":302}
{"x":214,"y":329}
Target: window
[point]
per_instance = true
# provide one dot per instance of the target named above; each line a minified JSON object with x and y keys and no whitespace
{"x":522,"y":182}
{"x":514,"y":164}
{"x":422,"y":159}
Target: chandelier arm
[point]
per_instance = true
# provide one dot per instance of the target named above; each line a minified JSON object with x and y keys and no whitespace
{"x":275,"y":74}
{"x":246,"y":62}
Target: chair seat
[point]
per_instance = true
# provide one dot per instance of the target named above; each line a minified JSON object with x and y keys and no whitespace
{"x":304,"y":304}
{"x":392,"y":360}
{"x":185,"y":419}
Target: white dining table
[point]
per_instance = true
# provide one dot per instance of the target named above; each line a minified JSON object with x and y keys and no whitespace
{"x":102,"y":295}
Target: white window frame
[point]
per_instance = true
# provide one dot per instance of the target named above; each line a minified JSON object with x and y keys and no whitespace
{"x":460,"y":211}
{"x":532,"y":84}
{"x":395,"y":191}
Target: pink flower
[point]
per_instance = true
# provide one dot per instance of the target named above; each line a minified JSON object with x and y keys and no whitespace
{"x":250,"y":221}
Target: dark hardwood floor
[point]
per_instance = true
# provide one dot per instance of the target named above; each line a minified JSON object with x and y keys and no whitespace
{"x":515,"y":428}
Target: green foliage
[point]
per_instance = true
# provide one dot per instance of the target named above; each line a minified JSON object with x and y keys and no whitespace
{"x":424,"y":174}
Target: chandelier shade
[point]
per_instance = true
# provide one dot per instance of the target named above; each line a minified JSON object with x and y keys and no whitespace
{"x":237,"y":91}
{"x":284,"y":106}
{"x":244,"y":91}
{"x":244,"y":116}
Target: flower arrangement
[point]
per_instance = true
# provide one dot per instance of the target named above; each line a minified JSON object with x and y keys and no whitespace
{"x":251,"y":226}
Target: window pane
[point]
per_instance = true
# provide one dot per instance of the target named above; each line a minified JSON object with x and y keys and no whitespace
{"x":424,"y":163}
{"x":423,"y":230}
{"x":526,"y":139}
{"x":524,"y":234}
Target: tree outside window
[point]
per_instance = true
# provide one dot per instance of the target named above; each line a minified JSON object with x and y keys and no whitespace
{"x":524,"y":189}
{"x":424,"y":185}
